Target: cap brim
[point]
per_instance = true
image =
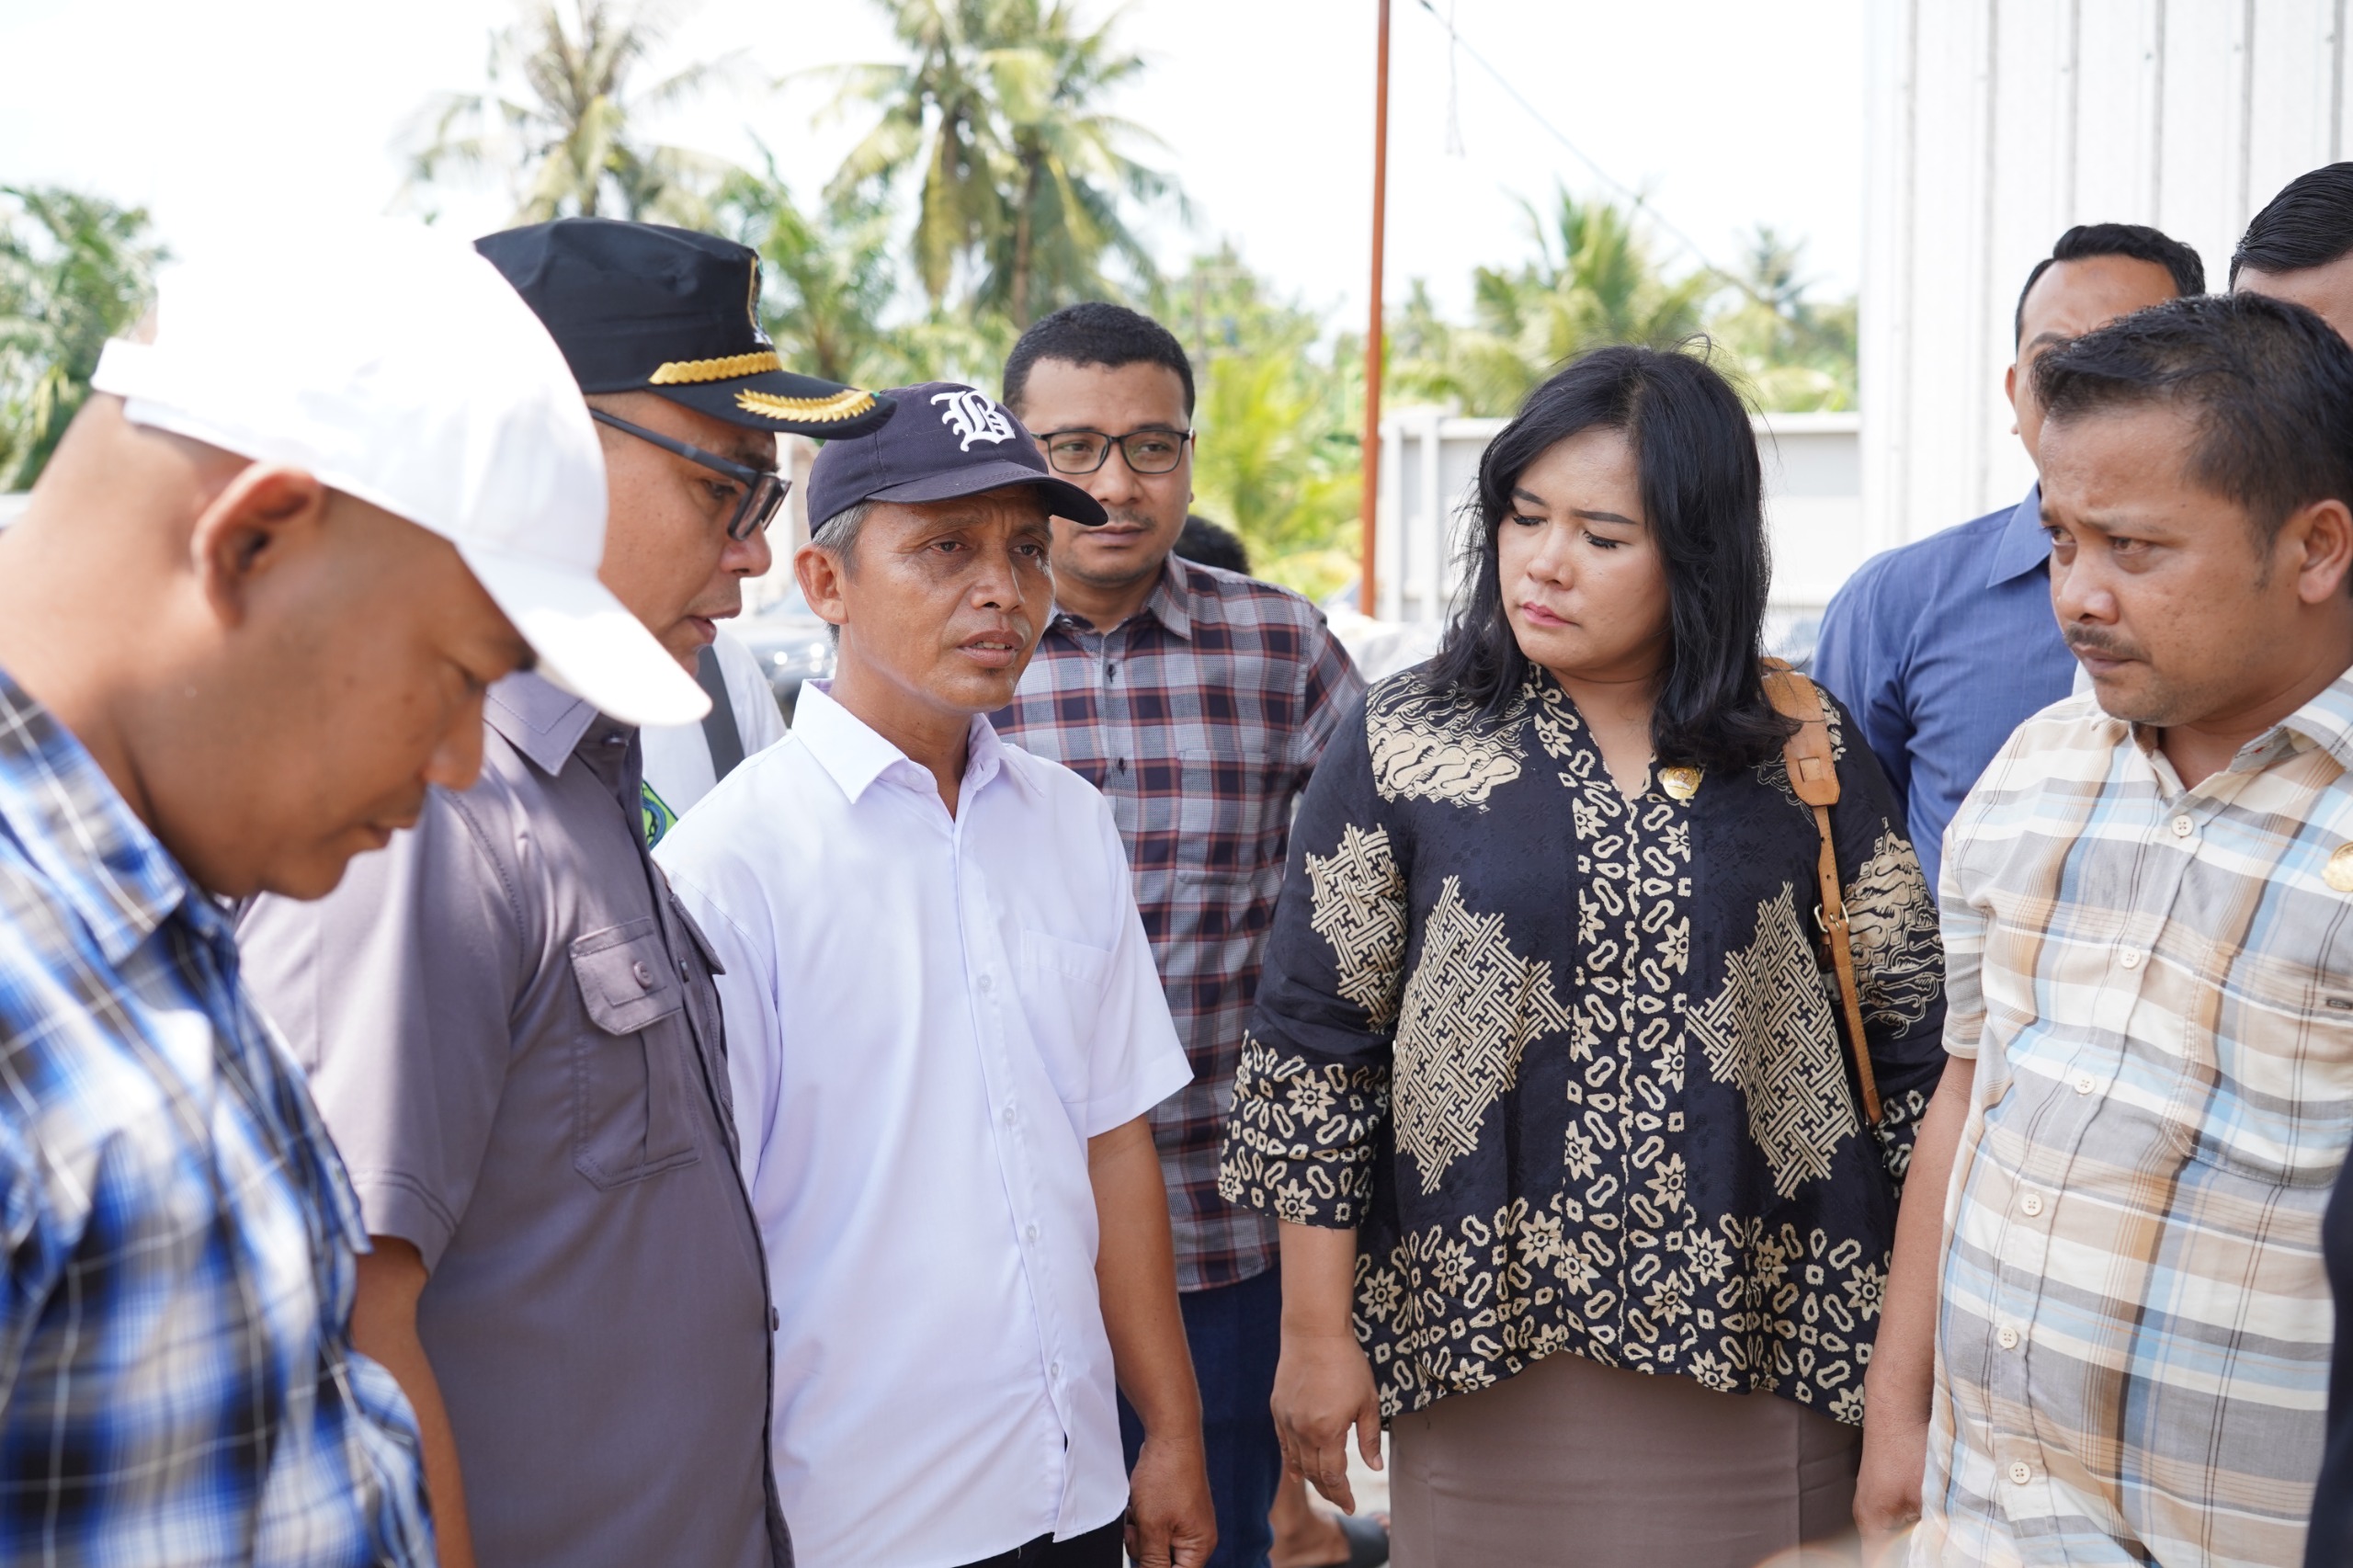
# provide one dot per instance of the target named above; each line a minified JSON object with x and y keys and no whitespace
{"x":1064,"y":499}
{"x":782,"y":401}
{"x":587,"y":643}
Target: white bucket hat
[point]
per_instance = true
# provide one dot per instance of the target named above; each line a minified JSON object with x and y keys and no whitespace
{"x":406,"y":372}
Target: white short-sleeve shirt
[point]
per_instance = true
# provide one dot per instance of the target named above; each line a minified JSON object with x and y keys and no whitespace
{"x":928,"y":1017}
{"x":677,"y":757}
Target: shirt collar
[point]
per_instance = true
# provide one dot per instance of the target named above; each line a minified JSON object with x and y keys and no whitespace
{"x":2023,"y":546}
{"x":1170,"y":603}
{"x":75,"y":826}
{"x":855,"y":756}
{"x":2327,"y":722}
{"x":538,"y":717}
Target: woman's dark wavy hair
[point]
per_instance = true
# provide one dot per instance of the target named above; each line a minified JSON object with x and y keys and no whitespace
{"x":1703,"y":497}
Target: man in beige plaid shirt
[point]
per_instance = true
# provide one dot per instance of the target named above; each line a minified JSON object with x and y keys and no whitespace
{"x":2148,"y":919}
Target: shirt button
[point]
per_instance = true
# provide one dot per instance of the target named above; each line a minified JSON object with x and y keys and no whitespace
{"x":2128,"y":957}
{"x":2008,"y":1337}
{"x":684,"y":972}
{"x":644,"y":973}
{"x":1030,"y":1232}
{"x":2085,"y":1084}
{"x":775,"y":1320}
{"x":985,"y":981}
{"x":2183,"y":827}
{"x":1009,"y":1117}
{"x":2031,"y":1203}
{"x":2019,"y":1472}
{"x":1055,"y":1371}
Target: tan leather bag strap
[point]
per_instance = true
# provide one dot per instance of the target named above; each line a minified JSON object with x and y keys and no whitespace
{"x":1813,"y":775}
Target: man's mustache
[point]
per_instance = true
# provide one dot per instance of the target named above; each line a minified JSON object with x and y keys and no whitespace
{"x":2085,"y":638}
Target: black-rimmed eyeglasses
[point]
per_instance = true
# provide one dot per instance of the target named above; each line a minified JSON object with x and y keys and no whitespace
{"x":764,"y":489}
{"x":1148,"y":451}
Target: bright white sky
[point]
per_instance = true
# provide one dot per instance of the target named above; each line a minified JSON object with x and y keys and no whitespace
{"x":234,"y":116}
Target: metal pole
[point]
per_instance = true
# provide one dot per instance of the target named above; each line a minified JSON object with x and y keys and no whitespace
{"x":1366,"y":590}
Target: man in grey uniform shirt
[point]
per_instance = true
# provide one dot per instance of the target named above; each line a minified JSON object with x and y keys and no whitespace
{"x":511,"y":1028}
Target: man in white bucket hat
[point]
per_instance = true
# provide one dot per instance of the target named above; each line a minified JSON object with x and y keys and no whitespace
{"x":247,"y":618}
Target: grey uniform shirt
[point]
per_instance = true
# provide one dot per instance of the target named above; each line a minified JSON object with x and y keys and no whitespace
{"x":511,"y":1029}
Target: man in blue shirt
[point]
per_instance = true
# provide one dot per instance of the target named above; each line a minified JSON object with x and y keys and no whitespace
{"x":1942,"y":647}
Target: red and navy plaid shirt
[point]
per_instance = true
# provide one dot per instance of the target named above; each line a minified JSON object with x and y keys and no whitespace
{"x":1200,"y":719}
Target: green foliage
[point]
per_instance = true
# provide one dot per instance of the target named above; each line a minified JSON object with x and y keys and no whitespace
{"x":830,"y":277}
{"x":560,"y":119}
{"x":1278,"y":406}
{"x":1796,"y":354}
{"x":1019,"y":176}
{"x":75,"y":270}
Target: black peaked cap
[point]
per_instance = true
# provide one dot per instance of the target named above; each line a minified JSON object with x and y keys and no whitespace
{"x":640,"y":307}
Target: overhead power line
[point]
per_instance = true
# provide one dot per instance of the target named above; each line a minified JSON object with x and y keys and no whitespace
{"x":1639,"y":201}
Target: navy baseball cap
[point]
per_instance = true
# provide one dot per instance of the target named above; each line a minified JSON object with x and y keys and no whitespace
{"x":946,"y":440}
{"x":638,"y":307}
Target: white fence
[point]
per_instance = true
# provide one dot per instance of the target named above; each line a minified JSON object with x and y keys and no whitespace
{"x":1429,"y":469}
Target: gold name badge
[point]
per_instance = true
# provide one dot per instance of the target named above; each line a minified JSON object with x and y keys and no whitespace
{"x":2340,"y":874}
{"x":1682,"y":783}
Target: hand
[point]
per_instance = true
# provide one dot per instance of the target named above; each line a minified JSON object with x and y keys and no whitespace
{"x":1323,"y":1387}
{"x":1887,"y":1491}
{"x":1171,"y":1521}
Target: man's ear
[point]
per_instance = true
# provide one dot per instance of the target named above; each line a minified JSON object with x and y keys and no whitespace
{"x":2327,"y":529}
{"x":821,"y":578}
{"x":2010,"y":390}
{"x":248,"y":529}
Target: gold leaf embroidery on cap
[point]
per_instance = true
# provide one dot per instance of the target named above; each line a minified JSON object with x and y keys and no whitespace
{"x":2339,"y":872}
{"x":845,"y":404}
{"x":685,"y":371}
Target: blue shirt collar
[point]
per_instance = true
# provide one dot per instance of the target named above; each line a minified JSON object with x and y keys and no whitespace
{"x":2023,"y":545}
{"x":73,"y":824}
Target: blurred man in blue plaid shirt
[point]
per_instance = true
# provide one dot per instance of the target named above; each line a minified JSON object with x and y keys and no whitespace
{"x":246,"y":620}
{"x":1197,"y":700}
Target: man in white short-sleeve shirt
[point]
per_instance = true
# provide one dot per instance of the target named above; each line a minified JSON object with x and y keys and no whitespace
{"x":945,"y":1029}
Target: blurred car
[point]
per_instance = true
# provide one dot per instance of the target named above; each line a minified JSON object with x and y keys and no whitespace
{"x":792,"y":643}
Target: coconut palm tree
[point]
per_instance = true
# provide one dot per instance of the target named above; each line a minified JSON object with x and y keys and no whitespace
{"x":831,"y":275}
{"x":562,"y":116}
{"x":75,"y":270}
{"x":1018,"y":174}
{"x":1592,"y":281}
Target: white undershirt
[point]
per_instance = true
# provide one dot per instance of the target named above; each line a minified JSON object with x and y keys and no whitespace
{"x":677,"y":757}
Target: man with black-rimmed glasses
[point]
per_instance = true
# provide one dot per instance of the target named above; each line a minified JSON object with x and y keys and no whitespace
{"x":510,"y":1024}
{"x":1197,"y":700}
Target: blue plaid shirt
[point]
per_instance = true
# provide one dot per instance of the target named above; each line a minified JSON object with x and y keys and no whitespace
{"x":176,"y":1381}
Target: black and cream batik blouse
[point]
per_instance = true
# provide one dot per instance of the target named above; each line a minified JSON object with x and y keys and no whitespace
{"x":1569,"y":1061}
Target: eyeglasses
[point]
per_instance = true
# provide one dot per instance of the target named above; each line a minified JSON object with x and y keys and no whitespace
{"x":1150,"y":450}
{"x":764,"y":489}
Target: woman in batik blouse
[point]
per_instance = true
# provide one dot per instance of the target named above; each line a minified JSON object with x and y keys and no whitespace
{"x":1546,"y":1081}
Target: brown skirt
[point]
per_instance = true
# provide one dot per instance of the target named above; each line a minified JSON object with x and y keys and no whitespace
{"x":1584,"y":1466}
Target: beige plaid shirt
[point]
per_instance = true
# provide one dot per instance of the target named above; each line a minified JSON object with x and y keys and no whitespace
{"x":2157,"y":984}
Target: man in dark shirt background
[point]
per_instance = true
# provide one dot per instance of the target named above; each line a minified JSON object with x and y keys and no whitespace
{"x":1197,"y":700}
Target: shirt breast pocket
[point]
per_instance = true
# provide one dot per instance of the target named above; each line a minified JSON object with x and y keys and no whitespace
{"x":1221,"y":790}
{"x":2281,"y":1109}
{"x":1062,"y":986}
{"x":629,"y":1069}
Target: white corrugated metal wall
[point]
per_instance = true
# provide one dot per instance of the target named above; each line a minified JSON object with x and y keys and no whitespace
{"x":1993,"y":125}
